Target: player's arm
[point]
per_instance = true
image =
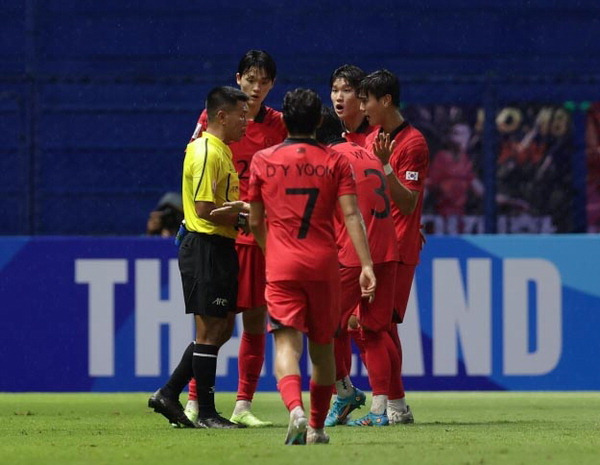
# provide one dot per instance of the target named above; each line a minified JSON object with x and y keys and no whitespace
{"x":238,"y":206}
{"x":257,"y":224}
{"x":238,"y":220}
{"x":404,"y":198}
{"x":356,"y":230}
{"x":204,"y":202}
{"x":205,"y":170}
{"x":204,"y":210}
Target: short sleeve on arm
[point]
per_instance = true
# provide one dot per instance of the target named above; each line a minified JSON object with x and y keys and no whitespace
{"x":345,"y":175}
{"x":204,"y":173}
{"x":412,"y":164}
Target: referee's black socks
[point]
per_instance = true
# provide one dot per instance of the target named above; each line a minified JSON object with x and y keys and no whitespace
{"x":181,"y":376}
{"x":205,"y":372}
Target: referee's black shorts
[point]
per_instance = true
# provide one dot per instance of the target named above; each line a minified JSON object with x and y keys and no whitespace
{"x":209,"y":273}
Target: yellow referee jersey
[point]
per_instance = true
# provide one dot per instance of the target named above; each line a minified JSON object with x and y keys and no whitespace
{"x":209,"y":176}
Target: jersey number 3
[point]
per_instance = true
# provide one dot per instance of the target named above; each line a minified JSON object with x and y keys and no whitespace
{"x":313,"y":193}
{"x":381,"y":192}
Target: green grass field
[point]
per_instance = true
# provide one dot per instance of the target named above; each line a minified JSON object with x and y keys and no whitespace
{"x":451,"y":428}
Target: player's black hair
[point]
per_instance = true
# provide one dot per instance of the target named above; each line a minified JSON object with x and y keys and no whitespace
{"x":380,"y":83}
{"x":223,"y":97}
{"x":301,"y":111}
{"x":331,"y":127}
{"x":350,"y":73}
{"x":258,"y":59}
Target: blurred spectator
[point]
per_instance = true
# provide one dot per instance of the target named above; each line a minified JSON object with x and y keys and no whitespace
{"x":451,"y":177}
{"x":534,"y":190}
{"x":534,"y":164}
{"x":592,"y":148}
{"x":164,"y":220}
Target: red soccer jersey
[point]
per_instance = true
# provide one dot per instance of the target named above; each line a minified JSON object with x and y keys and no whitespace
{"x":410,"y":162}
{"x":299,"y":182}
{"x":360,"y":135}
{"x":266,"y":130}
{"x":375,"y":205}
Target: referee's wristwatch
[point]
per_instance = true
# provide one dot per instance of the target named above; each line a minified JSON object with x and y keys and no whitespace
{"x":242,"y":221}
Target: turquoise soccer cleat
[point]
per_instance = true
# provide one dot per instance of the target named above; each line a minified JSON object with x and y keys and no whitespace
{"x":342,"y":407}
{"x":370,"y":419}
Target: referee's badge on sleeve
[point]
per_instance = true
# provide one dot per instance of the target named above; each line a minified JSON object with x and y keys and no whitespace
{"x":412,"y":175}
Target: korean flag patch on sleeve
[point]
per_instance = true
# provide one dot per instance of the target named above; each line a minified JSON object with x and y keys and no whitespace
{"x":412,"y":175}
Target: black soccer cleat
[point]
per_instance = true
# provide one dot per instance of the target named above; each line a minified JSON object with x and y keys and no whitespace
{"x":217,"y":421}
{"x":171,"y":409}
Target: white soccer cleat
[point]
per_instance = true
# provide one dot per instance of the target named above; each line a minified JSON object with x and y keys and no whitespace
{"x":191,"y":410}
{"x":404,"y":417}
{"x":316,"y":436}
{"x":296,"y":433}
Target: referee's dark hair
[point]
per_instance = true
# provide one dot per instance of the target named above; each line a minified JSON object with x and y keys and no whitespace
{"x":380,"y":83}
{"x":258,"y":59}
{"x":350,"y":73}
{"x":331,"y":128}
{"x":301,"y":111}
{"x":223,"y":98}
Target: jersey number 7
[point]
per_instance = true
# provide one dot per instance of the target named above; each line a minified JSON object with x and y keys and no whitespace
{"x":313,"y":193}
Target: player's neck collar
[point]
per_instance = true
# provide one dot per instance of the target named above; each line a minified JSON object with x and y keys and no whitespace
{"x":339,"y":140}
{"x":260,"y":116}
{"x":301,"y":140}
{"x":396,"y":131}
{"x":362,"y":127}
{"x":214,"y":138}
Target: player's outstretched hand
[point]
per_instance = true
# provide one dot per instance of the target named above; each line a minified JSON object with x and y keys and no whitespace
{"x":368,"y":283}
{"x":383,"y":147}
{"x":239,"y":206}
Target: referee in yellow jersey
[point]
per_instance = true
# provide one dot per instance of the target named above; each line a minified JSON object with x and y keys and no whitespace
{"x":207,"y":258}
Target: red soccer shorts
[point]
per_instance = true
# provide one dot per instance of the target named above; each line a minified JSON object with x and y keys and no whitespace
{"x":251,"y":278}
{"x":404,"y":279}
{"x":311,"y":307}
{"x":376,"y":315}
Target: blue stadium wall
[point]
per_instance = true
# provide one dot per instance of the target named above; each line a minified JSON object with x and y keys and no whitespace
{"x":485,"y":313}
{"x":98,"y":99}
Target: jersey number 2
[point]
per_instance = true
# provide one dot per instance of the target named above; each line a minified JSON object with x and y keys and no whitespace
{"x":313,"y":193}
{"x":244,"y":168}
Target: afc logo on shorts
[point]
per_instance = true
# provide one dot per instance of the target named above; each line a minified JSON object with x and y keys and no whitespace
{"x":221,"y":302}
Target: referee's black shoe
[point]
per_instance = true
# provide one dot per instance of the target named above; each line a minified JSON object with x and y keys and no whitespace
{"x":217,"y":421}
{"x":169,"y":408}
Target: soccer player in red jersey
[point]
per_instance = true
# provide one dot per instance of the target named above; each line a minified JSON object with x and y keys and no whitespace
{"x":380,"y":352}
{"x":256,"y":77}
{"x":344,"y":84}
{"x":296,"y":185}
{"x":403,"y":151}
